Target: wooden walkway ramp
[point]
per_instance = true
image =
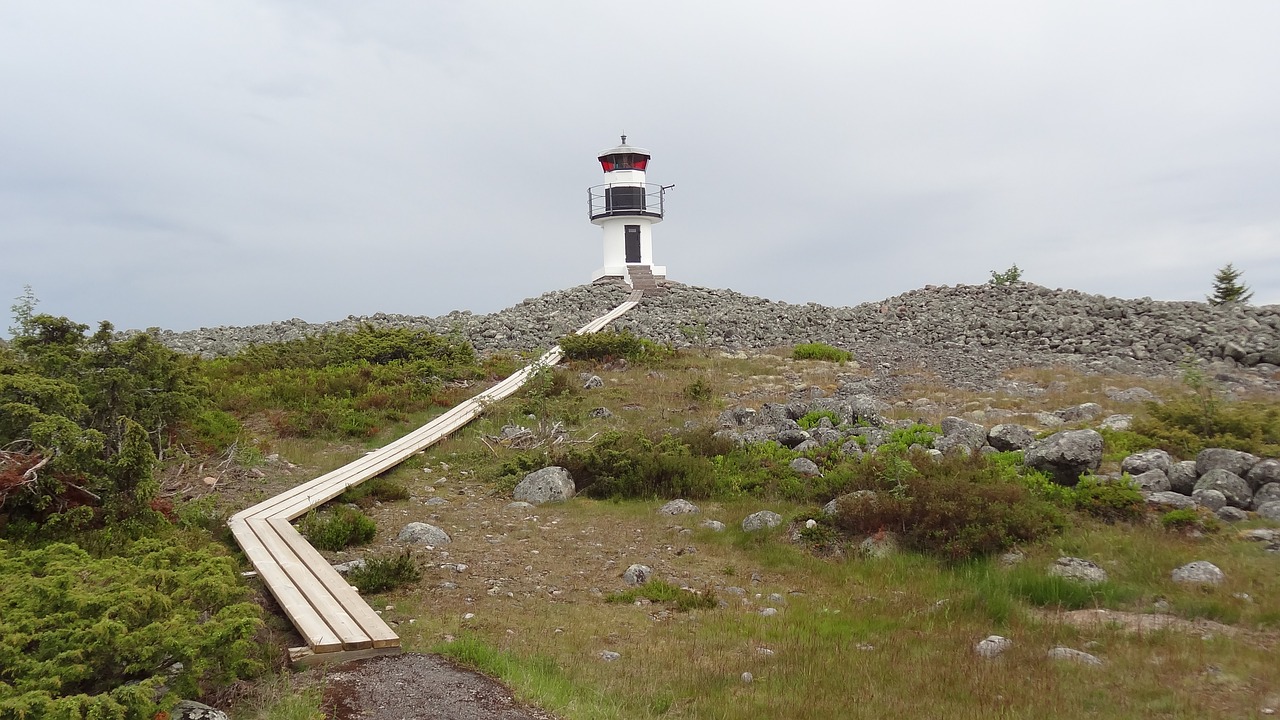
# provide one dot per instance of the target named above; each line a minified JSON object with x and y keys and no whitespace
{"x":336,"y":623}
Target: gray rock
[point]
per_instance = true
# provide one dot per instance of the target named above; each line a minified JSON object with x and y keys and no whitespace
{"x":600,"y":413}
{"x":435,"y":501}
{"x":192,"y":710}
{"x":1147,"y":460}
{"x":1264,"y":472}
{"x":1076,"y":656}
{"x":830,"y":508}
{"x":1232,"y":514}
{"x":1263,"y":535}
{"x":879,"y":546}
{"x":1265,"y":494}
{"x":826,"y":436}
{"x":1269,"y":511}
{"x":609,"y":655}
{"x":1008,"y":437}
{"x":960,"y":433}
{"x":769,"y":612}
{"x":1151,"y":481}
{"x":678,"y":507}
{"x":1200,"y":572}
{"x":992,"y":646}
{"x":1078,"y":569}
{"x":1235,"y":462}
{"x":420,"y":533}
{"x":712,"y":525}
{"x":1133,"y":394}
{"x":1066,"y":455}
{"x":1079,"y":413}
{"x":548,"y":485}
{"x":792,"y":437}
{"x":736,"y":417}
{"x":1211,"y":499}
{"x":637,"y":574}
{"x":806,"y":467}
{"x":760,"y":520}
{"x":851,"y":448}
{"x":346,"y":567}
{"x":1182,"y":477}
{"x":591,"y":382}
{"x":1170,"y":501}
{"x":1116,"y":422}
{"x":1049,"y":420}
{"x":1232,"y":486}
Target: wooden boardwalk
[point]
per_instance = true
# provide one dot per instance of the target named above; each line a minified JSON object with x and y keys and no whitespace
{"x":336,"y":623}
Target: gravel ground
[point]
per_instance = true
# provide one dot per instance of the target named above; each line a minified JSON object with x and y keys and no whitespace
{"x":413,"y":686}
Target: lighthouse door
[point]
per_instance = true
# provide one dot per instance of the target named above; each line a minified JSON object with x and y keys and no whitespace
{"x":632,"y":243}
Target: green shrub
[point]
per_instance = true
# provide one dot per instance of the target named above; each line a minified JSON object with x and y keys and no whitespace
{"x":812,"y":419}
{"x":374,"y":490}
{"x":1008,"y":277}
{"x":663,"y":592}
{"x":956,"y":508}
{"x":338,"y":529}
{"x":1120,"y":444}
{"x":1108,"y":501}
{"x":1184,"y":519}
{"x":380,"y":574}
{"x":612,"y":344}
{"x":629,"y":465}
{"x":820,"y":351}
{"x":120,"y":636}
{"x":1185,"y":426}
{"x":700,"y":390}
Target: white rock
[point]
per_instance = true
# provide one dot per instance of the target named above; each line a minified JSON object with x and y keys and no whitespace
{"x":992,"y":646}
{"x":1066,"y":653}
{"x":1199,"y":572}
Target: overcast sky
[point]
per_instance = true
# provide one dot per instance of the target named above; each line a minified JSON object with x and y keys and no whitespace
{"x":200,"y":163}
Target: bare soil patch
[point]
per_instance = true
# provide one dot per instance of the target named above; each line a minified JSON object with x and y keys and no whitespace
{"x":418,"y":687}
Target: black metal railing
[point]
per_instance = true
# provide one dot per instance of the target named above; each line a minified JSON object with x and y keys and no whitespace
{"x":614,"y":199}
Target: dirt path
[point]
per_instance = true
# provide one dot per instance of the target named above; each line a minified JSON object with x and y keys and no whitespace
{"x":418,"y":687}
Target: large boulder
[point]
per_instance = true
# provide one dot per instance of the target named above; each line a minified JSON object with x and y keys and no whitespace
{"x":1078,"y":413}
{"x":806,"y":467}
{"x":1200,"y":572}
{"x":1066,"y":455}
{"x":957,"y":432}
{"x":1007,"y":437}
{"x":548,"y":485}
{"x":1147,"y":460}
{"x":1235,"y":462}
{"x":760,"y":520}
{"x":1182,"y":477}
{"x":1264,"y":472}
{"x":678,"y":507}
{"x":1232,"y":486}
{"x":1265,"y":494}
{"x":1211,"y":499}
{"x":1269,"y":511}
{"x":1152,"y":481}
{"x":420,"y":533}
{"x":1170,"y":501}
{"x":1078,"y":569}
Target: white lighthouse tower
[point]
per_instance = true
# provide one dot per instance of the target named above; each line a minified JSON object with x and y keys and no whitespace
{"x":627,"y":207}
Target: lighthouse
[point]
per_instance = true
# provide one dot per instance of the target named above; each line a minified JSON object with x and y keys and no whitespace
{"x":626,"y":208}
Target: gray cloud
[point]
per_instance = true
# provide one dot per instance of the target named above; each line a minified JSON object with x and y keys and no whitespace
{"x":238,"y":162}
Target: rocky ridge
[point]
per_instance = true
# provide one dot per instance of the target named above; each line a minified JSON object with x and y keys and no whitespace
{"x":1006,"y":326}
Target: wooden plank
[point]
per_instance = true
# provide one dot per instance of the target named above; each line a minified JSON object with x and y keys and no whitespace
{"x":303,"y":657}
{"x":370,"y":621}
{"x":314,"y":593}
{"x":313,"y":628}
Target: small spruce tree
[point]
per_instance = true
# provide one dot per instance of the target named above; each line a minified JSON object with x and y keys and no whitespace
{"x":1227,"y":287}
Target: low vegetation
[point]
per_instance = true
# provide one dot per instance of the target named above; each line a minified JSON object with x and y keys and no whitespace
{"x":338,"y":528}
{"x":820,"y":351}
{"x":380,"y":574}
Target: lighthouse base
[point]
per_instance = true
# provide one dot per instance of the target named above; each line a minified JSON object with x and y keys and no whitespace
{"x":624,"y":273}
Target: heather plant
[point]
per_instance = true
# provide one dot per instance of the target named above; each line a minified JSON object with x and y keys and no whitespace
{"x":380,"y":574}
{"x":613,"y":344}
{"x":338,"y":529}
{"x":820,"y":351}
